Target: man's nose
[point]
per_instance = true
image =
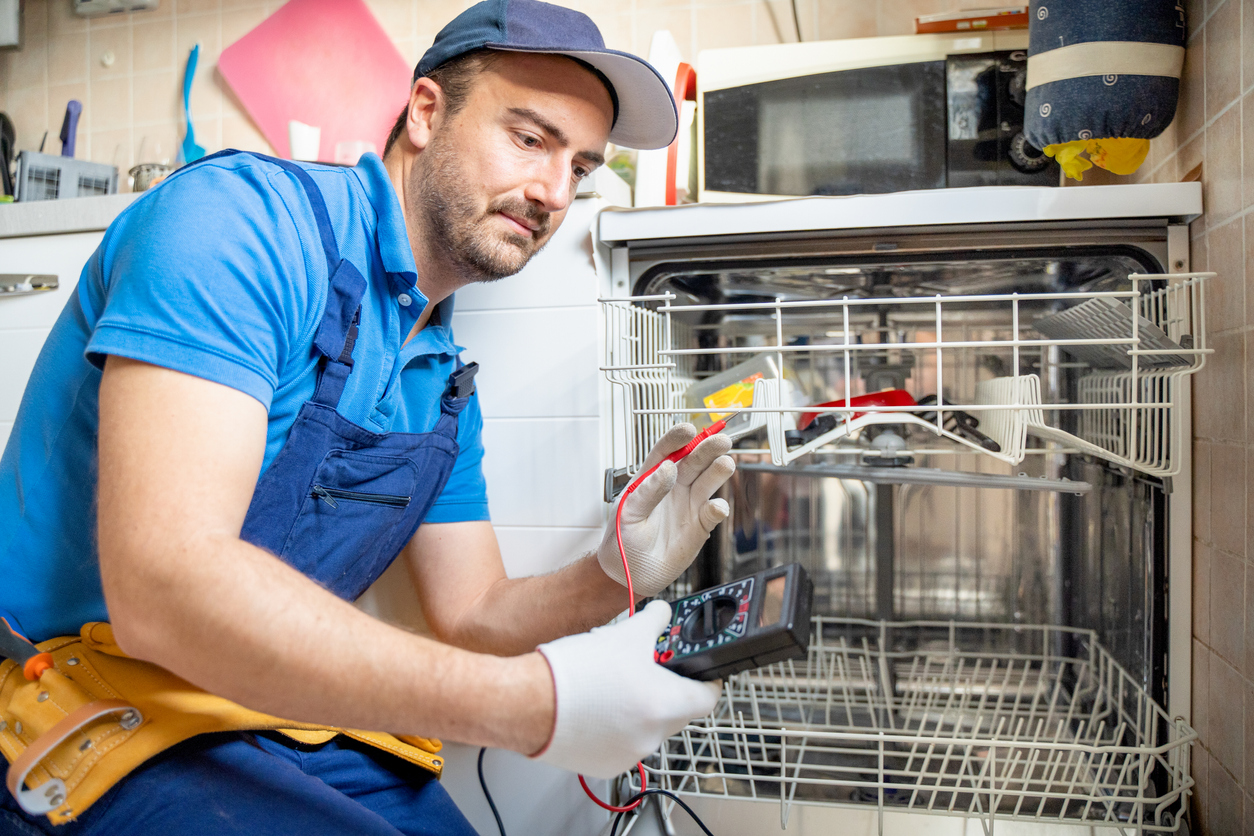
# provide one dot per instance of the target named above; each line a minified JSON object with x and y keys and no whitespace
{"x":550,"y":185}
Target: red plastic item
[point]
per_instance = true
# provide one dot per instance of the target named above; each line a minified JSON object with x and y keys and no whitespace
{"x":888,"y":397}
{"x":322,"y":62}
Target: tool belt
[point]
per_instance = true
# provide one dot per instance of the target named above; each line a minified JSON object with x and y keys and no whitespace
{"x":95,"y":714}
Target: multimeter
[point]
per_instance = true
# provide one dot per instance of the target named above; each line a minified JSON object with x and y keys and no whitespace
{"x":744,"y":624}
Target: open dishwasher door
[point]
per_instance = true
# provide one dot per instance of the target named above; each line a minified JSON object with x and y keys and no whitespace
{"x":964,"y":413}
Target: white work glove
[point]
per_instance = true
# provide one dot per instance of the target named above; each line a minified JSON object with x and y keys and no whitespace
{"x":615,"y":704}
{"x":669,"y":517}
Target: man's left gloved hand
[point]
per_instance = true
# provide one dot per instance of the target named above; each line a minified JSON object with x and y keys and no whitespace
{"x":669,"y":517}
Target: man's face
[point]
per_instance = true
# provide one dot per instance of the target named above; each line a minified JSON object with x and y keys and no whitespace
{"x":495,"y":180}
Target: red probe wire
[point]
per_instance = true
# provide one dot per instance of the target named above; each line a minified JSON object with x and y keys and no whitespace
{"x":713,"y":429}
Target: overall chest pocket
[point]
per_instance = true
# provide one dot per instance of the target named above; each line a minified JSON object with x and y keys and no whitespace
{"x":354,"y":519}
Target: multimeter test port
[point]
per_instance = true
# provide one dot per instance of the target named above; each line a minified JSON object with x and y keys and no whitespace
{"x":747,"y":623}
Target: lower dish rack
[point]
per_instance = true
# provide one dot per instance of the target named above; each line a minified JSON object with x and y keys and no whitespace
{"x":989,"y":721}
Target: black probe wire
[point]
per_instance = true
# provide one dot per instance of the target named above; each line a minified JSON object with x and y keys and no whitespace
{"x":484,"y":784}
{"x":640,"y":795}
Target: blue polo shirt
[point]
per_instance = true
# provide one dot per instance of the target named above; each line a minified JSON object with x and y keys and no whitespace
{"x":219,"y":272}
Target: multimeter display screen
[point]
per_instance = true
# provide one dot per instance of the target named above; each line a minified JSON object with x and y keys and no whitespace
{"x":773,"y":602}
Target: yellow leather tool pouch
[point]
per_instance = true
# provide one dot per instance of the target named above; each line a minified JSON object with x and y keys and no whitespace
{"x":98,"y":714}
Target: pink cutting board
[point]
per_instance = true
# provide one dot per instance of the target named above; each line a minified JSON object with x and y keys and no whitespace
{"x":322,"y":62}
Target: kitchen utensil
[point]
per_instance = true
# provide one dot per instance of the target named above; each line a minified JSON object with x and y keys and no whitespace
{"x":888,"y":397}
{"x":191,"y":151}
{"x":69,"y":127}
{"x":146,"y":175}
{"x":8,"y":139}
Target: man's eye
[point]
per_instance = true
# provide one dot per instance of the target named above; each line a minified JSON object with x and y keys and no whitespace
{"x":581,"y":172}
{"x":528,"y":140}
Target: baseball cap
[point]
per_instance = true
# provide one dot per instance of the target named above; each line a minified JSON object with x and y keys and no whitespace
{"x":644,"y":109}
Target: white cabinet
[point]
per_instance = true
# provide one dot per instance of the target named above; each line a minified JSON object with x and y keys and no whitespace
{"x":25,"y":320}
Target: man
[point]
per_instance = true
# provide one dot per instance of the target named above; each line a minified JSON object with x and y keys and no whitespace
{"x":259,"y":359}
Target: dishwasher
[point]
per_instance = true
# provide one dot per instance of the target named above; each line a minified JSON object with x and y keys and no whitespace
{"x":966,"y":414}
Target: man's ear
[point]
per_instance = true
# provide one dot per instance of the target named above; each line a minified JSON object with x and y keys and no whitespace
{"x":426,"y":103}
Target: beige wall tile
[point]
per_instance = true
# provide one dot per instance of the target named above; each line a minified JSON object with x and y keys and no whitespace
{"x":61,"y":19}
{"x":243,"y":4}
{"x":1195,"y":14}
{"x":1201,"y":486}
{"x":1225,"y":802}
{"x":731,"y":25}
{"x":238,"y":131}
{"x":111,"y":103}
{"x":1200,"y":767}
{"x":1247,"y":148}
{"x":198,"y":29}
{"x":28,"y":108}
{"x":238,"y":23}
{"x":1201,"y":591}
{"x":195,"y":7}
{"x":112,"y":147}
{"x":156,"y":144}
{"x":1227,"y":514}
{"x":1249,"y":627}
{"x":35,"y":21}
{"x":1247,"y":45}
{"x":1201,"y":690}
{"x":1221,"y":384}
{"x":67,"y":58}
{"x":897,"y":16}
{"x":1191,"y":109}
{"x":773,"y":23}
{"x":1188,"y":157}
{"x":1223,"y":45}
{"x":1249,"y":746}
{"x":152,"y":46}
{"x":30,"y":69}
{"x":1222,"y":181}
{"x":1227,"y":604}
{"x":158,"y":98}
{"x":58,"y":97}
{"x":106,"y":43}
{"x":1225,"y":296}
{"x":847,"y":20}
{"x":678,"y":21}
{"x":615,"y":29}
{"x":395,"y":16}
{"x":208,"y":133}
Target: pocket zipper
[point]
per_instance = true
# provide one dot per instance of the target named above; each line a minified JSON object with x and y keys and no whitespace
{"x":329,"y":495}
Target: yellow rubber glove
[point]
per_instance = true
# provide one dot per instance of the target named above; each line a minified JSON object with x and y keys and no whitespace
{"x":1119,"y":155}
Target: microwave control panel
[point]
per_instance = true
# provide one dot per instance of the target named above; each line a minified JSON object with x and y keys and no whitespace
{"x":737,"y":626}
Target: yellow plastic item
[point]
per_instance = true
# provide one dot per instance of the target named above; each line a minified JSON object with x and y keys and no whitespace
{"x":93,"y":678}
{"x":1119,"y":155}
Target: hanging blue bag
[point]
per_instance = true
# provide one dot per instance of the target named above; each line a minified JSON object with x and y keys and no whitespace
{"x":1103,"y":79}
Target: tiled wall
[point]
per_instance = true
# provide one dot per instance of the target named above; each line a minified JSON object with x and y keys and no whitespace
{"x":1214,"y":127}
{"x":132,"y":107}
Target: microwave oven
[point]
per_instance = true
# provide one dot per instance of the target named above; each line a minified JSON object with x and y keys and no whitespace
{"x":865,"y":116}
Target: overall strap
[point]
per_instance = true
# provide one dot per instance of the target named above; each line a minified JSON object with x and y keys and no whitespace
{"x":337,"y":332}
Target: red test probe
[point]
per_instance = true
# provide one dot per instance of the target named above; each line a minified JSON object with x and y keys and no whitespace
{"x":713,"y":429}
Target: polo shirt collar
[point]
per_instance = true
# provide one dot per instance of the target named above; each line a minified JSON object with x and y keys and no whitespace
{"x":391,"y":233}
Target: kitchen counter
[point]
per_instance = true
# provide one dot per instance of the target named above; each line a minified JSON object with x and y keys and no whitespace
{"x":57,"y":217}
{"x":936,"y":207}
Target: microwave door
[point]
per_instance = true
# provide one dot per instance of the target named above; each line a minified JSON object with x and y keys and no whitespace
{"x":864,"y":131}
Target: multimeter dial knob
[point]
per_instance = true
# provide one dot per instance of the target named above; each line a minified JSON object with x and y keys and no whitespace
{"x":711,"y":618}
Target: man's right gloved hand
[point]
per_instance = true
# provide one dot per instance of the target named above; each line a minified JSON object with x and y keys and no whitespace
{"x":615,"y":704}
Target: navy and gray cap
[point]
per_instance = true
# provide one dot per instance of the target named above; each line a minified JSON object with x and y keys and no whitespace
{"x":644,"y":109}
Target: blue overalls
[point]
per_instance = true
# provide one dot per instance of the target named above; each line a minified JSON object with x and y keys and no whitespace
{"x":337,"y":503}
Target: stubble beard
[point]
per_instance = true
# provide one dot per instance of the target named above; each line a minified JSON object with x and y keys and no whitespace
{"x":458,"y":232}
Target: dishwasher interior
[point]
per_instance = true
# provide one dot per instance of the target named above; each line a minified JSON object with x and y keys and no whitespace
{"x":971,"y":450}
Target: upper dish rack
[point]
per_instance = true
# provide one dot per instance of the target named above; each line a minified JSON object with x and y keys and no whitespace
{"x":1092,"y":372}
